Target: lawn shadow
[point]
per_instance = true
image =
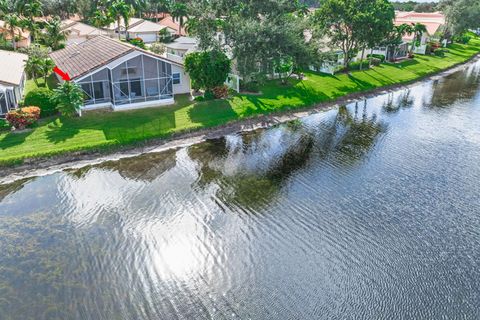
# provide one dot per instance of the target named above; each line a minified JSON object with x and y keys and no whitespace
{"x":13,"y":139}
{"x":61,"y":133}
{"x":212,"y":112}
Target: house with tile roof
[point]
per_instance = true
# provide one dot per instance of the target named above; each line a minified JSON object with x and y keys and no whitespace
{"x":146,"y":30}
{"x":12,"y":79}
{"x":171,"y":23}
{"x":79,"y":32}
{"x":433,"y":21}
{"x":118,"y":76}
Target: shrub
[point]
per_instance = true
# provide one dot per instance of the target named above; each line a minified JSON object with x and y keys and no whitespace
{"x":24,"y":117}
{"x":41,"y":97}
{"x":375,"y":61}
{"x":378,"y":56}
{"x":158,"y":48}
{"x":138,"y":42}
{"x":463,"y":38}
{"x":208,"y":95}
{"x":207,"y":69}
{"x":220,"y":92}
{"x":4,"y":125}
{"x":439,"y":52}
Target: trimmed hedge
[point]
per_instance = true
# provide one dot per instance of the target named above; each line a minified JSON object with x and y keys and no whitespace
{"x":42,"y":97}
{"x":378,"y":56}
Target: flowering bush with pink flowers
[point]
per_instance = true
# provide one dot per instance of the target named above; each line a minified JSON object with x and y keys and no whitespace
{"x":22,"y":118}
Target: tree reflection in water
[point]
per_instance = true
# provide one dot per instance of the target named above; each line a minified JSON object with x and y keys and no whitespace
{"x":146,"y":168}
{"x":249,"y":170}
{"x":457,"y":86}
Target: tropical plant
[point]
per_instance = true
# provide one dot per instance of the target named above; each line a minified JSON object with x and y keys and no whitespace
{"x":418,"y":29}
{"x":179,"y":11}
{"x":207,"y":69}
{"x":55,"y":36}
{"x":69,"y":98}
{"x":31,"y":9}
{"x":22,"y":118}
{"x":120,"y":10}
{"x":353,"y":25}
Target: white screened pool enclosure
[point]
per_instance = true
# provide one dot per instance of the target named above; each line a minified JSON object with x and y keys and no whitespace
{"x":133,"y":81}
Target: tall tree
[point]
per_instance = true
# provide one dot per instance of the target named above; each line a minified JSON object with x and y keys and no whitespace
{"x":179,"y":11}
{"x":461,"y":15}
{"x":353,"y":25}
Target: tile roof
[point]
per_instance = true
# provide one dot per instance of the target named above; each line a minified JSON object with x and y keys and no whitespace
{"x":12,"y":65}
{"x":81,"y":29}
{"x":146,"y":26}
{"x":433,"y":21}
{"x":169,"y":22}
{"x":80,"y":59}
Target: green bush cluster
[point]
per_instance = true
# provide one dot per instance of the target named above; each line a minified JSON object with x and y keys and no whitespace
{"x":463,"y":38}
{"x":440,"y":52}
{"x":42,"y":98}
{"x":137,"y":42}
{"x":377,"y":56}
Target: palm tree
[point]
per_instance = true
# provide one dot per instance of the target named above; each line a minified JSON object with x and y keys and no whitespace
{"x":418,"y":30}
{"x":12,"y":24}
{"x":179,"y":11}
{"x":33,"y":67}
{"x":120,"y":10}
{"x":31,"y":9}
{"x":3,"y":7}
{"x":55,"y":35}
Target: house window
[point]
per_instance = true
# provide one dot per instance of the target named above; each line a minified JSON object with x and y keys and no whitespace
{"x":176,"y":78}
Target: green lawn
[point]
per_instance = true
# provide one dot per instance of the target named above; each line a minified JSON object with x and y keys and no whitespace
{"x":31,"y":84}
{"x":102,"y":130}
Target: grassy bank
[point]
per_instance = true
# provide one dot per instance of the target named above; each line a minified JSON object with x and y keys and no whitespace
{"x":97,"y":131}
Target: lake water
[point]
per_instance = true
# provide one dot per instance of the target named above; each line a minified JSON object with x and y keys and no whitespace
{"x":368,"y":211}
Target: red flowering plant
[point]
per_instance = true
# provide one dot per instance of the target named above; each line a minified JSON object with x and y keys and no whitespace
{"x":22,"y":118}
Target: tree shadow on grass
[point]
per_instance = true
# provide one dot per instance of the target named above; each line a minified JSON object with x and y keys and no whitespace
{"x":14,"y":139}
{"x":361,"y":84}
{"x":60,"y":131}
{"x":212,"y":113}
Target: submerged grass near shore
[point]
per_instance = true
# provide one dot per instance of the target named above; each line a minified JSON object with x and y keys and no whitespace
{"x":96,"y":131}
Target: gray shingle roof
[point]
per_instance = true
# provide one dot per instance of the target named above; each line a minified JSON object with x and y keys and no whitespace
{"x":80,"y":59}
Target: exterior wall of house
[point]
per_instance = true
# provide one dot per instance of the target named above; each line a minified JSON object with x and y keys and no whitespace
{"x":149,"y":37}
{"x":184,"y":86}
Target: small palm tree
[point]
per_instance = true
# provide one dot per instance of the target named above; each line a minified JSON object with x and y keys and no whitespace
{"x":120,"y":10}
{"x":179,"y":11}
{"x":30,"y":10}
{"x":418,"y":30}
{"x":55,"y":35}
{"x":12,"y":24}
{"x":69,"y":98}
{"x":33,"y":67}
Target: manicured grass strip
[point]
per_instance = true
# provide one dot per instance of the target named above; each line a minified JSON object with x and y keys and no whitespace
{"x":103,"y":130}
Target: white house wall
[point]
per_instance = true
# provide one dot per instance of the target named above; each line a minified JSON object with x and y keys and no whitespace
{"x":184,"y":86}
